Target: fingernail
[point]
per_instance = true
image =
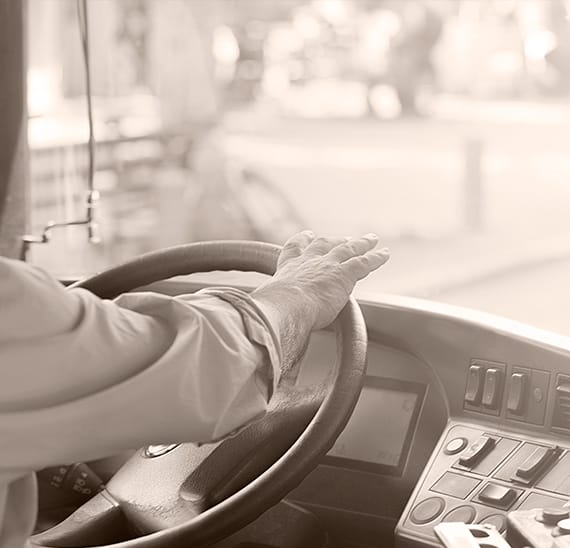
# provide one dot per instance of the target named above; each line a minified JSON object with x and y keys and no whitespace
{"x":384,"y":251}
{"x":371,"y":236}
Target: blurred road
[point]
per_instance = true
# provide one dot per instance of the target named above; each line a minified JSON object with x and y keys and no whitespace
{"x":405,"y":180}
{"x":407,"y":177}
{"x":538,"y":296}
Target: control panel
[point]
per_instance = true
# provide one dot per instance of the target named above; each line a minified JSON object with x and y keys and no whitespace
{"x":519,"y":393}
{"x":478,"y":476}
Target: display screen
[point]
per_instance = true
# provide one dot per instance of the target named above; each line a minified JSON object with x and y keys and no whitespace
{"x":380,"y":430}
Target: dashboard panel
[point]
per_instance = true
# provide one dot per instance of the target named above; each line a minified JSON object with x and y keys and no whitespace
{"x":518,"y":401}
{"x":464,"y":416}
{"x":506,"y":445}
{"x":476,"y":481}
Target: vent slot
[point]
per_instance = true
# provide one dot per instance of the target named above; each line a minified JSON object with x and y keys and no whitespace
{"x":561,"y":414}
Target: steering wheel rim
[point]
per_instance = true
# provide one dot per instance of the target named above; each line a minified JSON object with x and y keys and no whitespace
{"x":276,"y":481}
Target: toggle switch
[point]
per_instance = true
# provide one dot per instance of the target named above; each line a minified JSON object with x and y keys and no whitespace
{"x":516,"y":398}
{"x":535,"y":464}
{"x":477,"y":451}
{"x":492,"y":387}
{"x":474,"y":385}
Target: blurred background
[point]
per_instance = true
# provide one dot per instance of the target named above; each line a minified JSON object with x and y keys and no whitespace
{"x":440,"y":125}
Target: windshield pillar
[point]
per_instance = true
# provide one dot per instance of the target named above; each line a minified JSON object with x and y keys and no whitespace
{"x":13,"y":127}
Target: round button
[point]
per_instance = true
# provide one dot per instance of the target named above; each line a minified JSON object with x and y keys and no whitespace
{"x":564,"y":526}
{"x":498,"y":520}
{"x":455,"y":445}
{"x":464,"y":513}
{"x":427,"y":510}
{"x":552,"y":516}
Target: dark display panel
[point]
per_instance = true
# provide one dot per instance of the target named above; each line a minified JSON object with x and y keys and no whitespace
{"x":379,"y":434}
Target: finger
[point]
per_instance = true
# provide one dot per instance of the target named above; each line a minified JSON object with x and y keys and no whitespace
{"x":359,"y":267}
{"x":354,"y":248}
{"x":321,"y":246}
{"x":295,"y":245}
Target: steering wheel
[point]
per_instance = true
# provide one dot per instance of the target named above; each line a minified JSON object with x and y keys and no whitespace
{"x":189,"y":495}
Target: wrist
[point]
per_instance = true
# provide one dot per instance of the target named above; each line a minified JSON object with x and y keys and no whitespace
{"x":292,"y":314}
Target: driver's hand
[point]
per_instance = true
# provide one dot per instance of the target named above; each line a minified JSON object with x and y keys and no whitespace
{"x":314,"y":279}
{"x":324,"y":271}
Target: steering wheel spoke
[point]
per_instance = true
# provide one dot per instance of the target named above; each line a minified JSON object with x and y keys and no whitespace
{"x":98,"y":521}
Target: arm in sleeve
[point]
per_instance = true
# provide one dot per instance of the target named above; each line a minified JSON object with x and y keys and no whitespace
{"x":83,"y":377}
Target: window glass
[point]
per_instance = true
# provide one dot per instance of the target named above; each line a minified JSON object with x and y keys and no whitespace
{"x":440,"y":125}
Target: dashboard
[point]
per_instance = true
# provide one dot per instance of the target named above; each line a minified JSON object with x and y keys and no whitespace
{"x":506,"y":442}
{"x":484,"y":468}
{"x":463,"y":417}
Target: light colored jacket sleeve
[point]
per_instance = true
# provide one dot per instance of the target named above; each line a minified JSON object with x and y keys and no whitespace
{"x":82,"y":378}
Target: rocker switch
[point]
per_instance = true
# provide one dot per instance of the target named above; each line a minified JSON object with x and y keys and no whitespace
{"x":517,"y":393}
{"x":474,"y":385}
{"x":536,"y":463}
{"x":477,"y":451}
{"x":492,"y":388}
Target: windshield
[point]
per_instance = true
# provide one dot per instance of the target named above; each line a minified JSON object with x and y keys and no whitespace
{"x":440,"y":125}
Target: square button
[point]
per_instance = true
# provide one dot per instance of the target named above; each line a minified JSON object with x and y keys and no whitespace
{"x":498,"y":495}
{"x":455,"y":485}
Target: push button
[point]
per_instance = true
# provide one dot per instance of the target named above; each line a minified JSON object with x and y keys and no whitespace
{"x":474,"y":385}
{"x":427,"y":510}
{"x":497,"y":495}
{"x":492,"y":388}
{"x":517,"y":393}
{"x":496,"y":520}
{"x":455,"y":485}
{"x":454,"y":446}
{"x":465,"y":514}
{"x":477,"y":451}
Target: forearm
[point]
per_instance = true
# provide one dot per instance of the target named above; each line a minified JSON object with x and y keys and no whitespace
{"x":205,"y":383}
{"x":85,"y":378}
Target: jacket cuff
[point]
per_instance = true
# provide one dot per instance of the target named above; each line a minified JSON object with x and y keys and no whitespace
{"x":258,"y":329}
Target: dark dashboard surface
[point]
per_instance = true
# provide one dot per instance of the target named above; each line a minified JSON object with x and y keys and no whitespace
{"x":364,"y":483}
